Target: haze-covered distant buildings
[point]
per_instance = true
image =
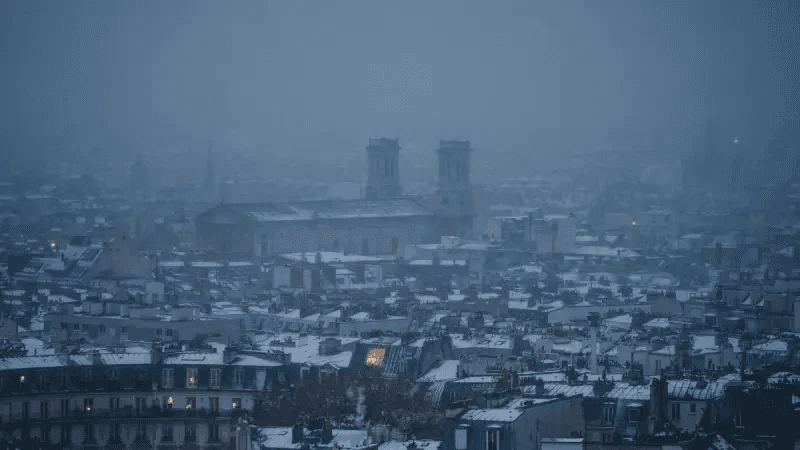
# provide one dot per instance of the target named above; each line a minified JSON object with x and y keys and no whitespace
{"x":531,"y":313}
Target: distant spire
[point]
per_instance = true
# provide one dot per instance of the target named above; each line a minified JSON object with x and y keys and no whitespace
{"x":209,"y":181}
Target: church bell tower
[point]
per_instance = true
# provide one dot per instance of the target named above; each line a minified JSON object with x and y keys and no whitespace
{"x":383,"y":179}
{"x":455,"y":189}
{"x":454,"y":195}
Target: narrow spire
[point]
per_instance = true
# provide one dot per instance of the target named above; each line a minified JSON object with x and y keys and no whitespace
{"x":209,"y":181}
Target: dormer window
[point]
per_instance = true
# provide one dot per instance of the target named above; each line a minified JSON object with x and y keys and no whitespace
{"x":493,"y":437}
{"x":238,"y":378}
{"x":215,"y":377}
{"x":461,"y":438}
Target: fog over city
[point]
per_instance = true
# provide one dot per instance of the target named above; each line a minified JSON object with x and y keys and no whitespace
{"x":458,"y":225}
{"x":530,"y":81}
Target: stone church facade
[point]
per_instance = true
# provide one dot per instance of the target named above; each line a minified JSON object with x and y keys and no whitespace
{"x":384,"y":222}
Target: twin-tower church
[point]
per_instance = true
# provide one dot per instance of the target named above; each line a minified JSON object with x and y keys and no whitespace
{"x":383,"y":222}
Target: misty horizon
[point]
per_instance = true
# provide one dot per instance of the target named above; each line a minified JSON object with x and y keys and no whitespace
{"x":316,"y":80}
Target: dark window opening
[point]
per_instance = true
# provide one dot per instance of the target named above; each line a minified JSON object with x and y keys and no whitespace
{"x":676,"y":411}
{"x":493,"y":440}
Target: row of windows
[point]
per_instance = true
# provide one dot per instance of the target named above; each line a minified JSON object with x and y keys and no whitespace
{"x":43,"y":407}
{"x":336,"y":246}
{"x":85,"y":327}
{"x":141,"y":433}
{"x":167,"y":377}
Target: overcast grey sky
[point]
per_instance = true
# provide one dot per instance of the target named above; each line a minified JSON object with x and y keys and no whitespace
{"x":506,"y":74}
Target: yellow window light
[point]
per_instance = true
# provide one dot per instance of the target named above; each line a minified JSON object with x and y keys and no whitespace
{"x":375,"y":356}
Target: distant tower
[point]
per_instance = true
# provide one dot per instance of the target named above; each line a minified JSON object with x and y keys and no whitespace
{"x":139,"y":177}
{"x":454,"y":195}
{"x":209,"y":183}
{"x":384,"y":169}
{"x":455,"y":189}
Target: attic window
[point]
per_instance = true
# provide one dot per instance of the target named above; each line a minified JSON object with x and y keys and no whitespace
{"x":493,"y":439}
{"x":461,"y":439}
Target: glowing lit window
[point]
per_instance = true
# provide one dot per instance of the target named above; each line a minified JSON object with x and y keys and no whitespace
{"x":191,"y":377}
{"x":375,"y":356}
{"x":22,"y":378}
